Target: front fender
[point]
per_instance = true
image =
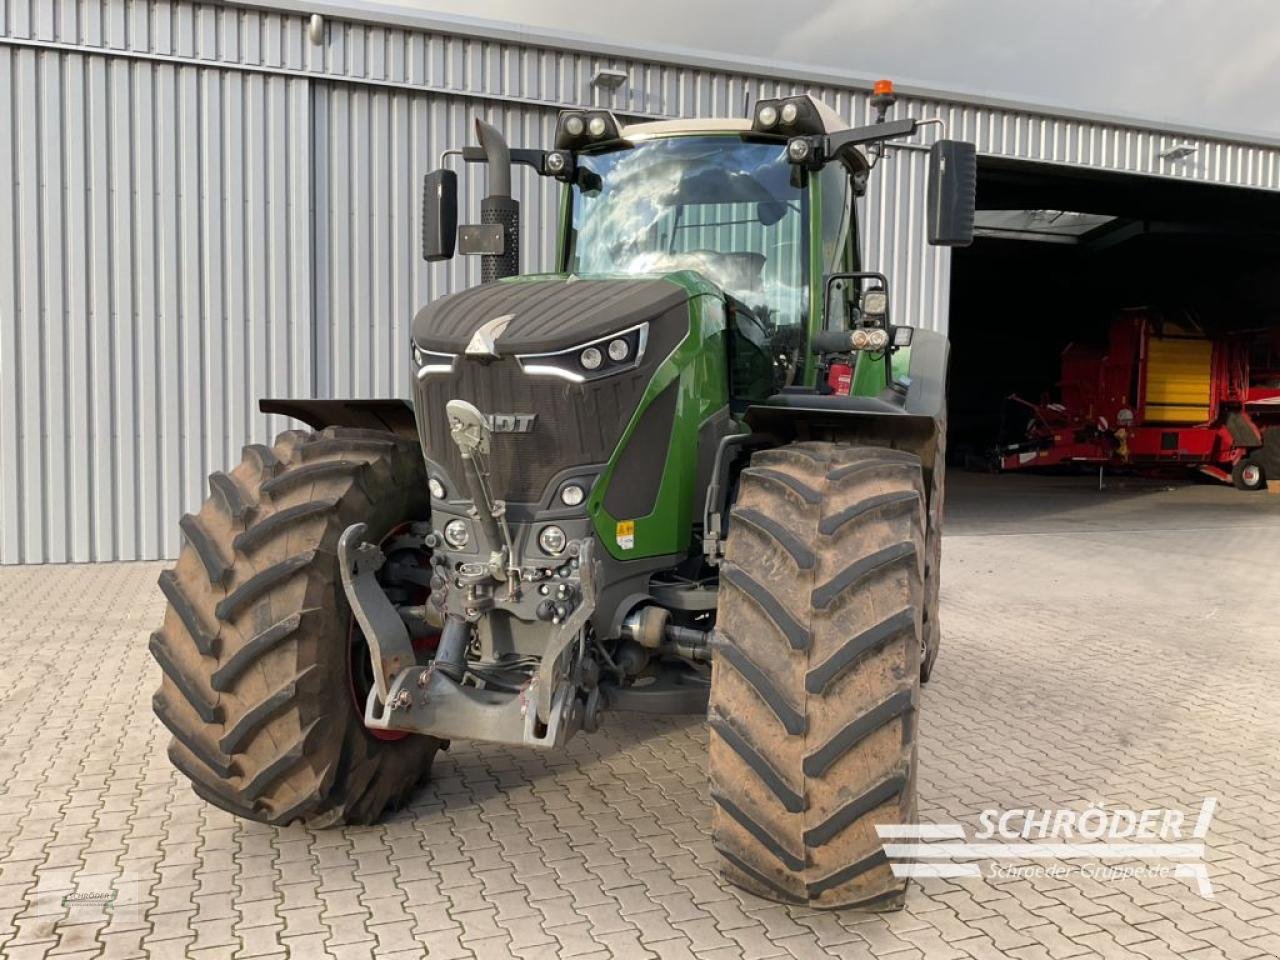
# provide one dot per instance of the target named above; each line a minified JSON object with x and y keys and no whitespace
{"x":393,"y":415}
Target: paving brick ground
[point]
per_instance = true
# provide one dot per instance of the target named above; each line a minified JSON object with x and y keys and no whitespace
{"x":1120,"y":648}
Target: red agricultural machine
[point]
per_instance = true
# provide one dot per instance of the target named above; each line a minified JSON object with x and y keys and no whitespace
{"x":1161,"y":395}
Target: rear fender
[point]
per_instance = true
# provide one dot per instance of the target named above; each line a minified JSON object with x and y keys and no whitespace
{"x":395,"y":416}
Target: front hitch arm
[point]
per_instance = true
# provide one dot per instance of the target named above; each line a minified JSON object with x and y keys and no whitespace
{"x":550,"y":677}
{"x":390,"y":647}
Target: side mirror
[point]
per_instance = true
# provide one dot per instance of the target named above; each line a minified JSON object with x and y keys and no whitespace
{"x":439,"y":214}
{"x":953,"y":184}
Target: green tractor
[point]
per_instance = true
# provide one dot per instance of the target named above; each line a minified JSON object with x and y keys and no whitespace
{"x":698,"y":469}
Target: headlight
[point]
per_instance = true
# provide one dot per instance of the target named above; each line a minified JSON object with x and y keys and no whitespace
{"x":874,"y":303}
{"x":860,"y":339}
{"x":571,"y":494}
{"x":801,"y":115}
{"x":577,"y":129}
{"x":457,"y":534}
{"x":877,"y":339}
{"x":592,"y":360}
{"x":798,"y":150}
{"x":552,"y":540}
{"x":437,"y":488}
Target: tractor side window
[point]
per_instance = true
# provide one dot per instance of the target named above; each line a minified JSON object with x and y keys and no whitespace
{"x":763,"y":360}
{"x":839,"y":243}
{"x":837,"y":217}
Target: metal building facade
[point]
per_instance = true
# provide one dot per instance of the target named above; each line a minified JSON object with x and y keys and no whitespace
{"x":202,"y":203}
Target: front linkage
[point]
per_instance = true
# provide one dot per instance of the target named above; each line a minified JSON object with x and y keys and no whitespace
{"x":561,"y":697}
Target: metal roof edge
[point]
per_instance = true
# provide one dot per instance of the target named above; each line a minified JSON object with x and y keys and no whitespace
{"x":367,"y":11}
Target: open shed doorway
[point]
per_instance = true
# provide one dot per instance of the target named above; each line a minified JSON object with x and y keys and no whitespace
{"x":1061,"y":250}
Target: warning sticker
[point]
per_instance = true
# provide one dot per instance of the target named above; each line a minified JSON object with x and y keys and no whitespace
{"x":626,"y":534}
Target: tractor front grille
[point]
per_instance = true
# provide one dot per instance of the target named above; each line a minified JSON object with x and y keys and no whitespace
{"x":575,"y":424}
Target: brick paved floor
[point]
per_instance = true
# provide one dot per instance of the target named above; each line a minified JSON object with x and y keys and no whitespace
{"x":1120,"y":648}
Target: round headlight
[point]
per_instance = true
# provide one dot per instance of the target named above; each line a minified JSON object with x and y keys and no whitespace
{"x":860,"y":339}
{"x":591,"y":358}
{"x":789,"y":112}
{"x":571,"y":494}
{"x":877,"y":339}
{"x":619,"y":350}
{"x":555,"y":162}
{"x":574,"y":126}
{"x":596,"y":126}
{"x":437,"y":488}
{"x":798,"y":149}
{"x":552,"y":540}
{"x":457,"y":533}
{"x":767,"y":116}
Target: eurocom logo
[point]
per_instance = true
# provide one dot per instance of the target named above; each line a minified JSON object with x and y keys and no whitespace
{"x":1101,"y":843}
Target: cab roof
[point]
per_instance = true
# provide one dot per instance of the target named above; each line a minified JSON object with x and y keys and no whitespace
{"x":832,"y":122}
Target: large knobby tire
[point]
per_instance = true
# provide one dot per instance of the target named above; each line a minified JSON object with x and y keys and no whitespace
{"x":931,"y":624}
{"x":255,"y":646}
{"x":817,"y":672}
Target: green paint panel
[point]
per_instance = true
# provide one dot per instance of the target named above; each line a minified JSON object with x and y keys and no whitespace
{"x":699,"y":364}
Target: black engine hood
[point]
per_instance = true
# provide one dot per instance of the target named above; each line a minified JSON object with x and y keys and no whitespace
{"x":547,"y":314}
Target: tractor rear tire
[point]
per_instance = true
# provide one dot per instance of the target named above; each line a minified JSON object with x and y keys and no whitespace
{"x":256,"y":646}
{"x":816,"y":674}
{"x":931,"y":632}
{"x":1248,"y":474}
{"x":931,"y":636}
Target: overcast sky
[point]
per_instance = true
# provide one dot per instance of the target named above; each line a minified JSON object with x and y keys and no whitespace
{"x":1212,"y":63}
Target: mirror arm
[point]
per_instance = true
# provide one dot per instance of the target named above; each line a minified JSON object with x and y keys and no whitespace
{"x":536,"y":160}
{"x":890,"y":129}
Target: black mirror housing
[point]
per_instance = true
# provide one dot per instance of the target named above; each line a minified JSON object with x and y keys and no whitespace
{"x":439,"y":215}
{"x":952,"y":192}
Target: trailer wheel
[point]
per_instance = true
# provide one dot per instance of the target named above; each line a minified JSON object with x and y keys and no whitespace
{"x":1248,"y":475}
{"x":255,"y":649}
{"x":816,"y":673}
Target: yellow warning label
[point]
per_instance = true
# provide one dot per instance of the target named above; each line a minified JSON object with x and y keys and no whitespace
{"x":626,"y":534}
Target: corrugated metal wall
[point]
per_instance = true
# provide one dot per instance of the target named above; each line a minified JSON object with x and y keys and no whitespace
{"x":155,"y":275}
{"x":199,"y":206}
{"x":372,"y":147}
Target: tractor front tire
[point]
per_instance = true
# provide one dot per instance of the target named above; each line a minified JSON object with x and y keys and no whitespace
{"x":256,"y":645}
{"x":816,"y":673}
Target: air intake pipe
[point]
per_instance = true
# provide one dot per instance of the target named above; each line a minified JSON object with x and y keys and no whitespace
{"x":498,"y":206}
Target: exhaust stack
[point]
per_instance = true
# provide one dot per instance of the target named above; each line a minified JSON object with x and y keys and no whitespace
{"x":498,"y":207}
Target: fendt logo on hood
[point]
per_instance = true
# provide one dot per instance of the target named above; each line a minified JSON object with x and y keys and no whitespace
{"x":510,"y":422}
{"x":484,"y":341}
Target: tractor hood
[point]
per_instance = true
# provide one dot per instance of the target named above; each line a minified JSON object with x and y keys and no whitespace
{"x":542,"y":314}
{"x":570,"y":423}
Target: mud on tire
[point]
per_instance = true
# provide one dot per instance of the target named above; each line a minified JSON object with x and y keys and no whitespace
{"x":817,"y":671}
{"x":254,"y":649}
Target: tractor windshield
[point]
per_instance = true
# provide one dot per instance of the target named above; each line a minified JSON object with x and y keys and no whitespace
{"x":715,"y":204}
